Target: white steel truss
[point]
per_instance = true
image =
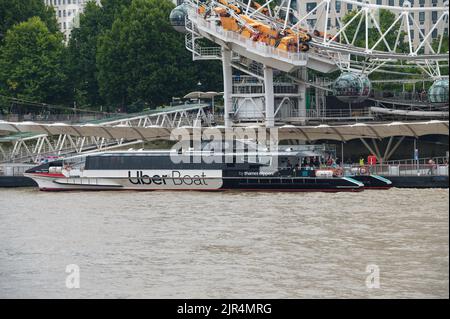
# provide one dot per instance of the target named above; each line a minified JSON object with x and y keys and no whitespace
{"x":35,"y":147}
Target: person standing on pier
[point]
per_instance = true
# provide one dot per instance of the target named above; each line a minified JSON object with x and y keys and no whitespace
{"x":361,"y":161}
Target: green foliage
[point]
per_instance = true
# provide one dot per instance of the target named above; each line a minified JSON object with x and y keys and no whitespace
{"x":81,"y":53}
{"x":142,"y":60}
{"x":112,"y":9}
{"x":441,"y":46}
{"x":16,"y":11}
{"x":385,"y":20}
{"x":31,"y":63}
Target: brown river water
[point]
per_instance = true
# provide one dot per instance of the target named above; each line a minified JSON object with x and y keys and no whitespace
{"x":225,"y":245}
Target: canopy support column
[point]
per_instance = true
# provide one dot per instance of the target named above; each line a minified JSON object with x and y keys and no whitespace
{"x":367,"y":146}
{"x":388,"y":156}
{"x":377,"y":150}
{"x":269,"y":96}
{"x":302,"y":98}
{"x":227,"y":86}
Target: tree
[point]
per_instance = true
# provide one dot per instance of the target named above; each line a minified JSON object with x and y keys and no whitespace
{"x":31,"y":63}
{"x":111,"y":9}
{"x":16,"y":11}
{"x":440,"y":45}
{"x":142,"y":59}
{"x":82,"y":48}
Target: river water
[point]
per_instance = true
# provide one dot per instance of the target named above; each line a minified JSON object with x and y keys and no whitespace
{"x":224,"y":245}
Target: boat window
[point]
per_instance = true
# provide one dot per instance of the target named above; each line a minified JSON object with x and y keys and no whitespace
{"x":126,"y":162}
{"x":75,"y":163}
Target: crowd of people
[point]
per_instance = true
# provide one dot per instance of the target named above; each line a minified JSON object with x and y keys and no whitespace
{"x":315,"y":162}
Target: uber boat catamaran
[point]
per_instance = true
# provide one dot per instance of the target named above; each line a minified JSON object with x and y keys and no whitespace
{"x":202,"y":171}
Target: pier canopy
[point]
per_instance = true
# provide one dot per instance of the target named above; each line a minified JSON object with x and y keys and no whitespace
{"x":363,"y":130}
{"x":307,"y":133}
{"x":202,"y":95}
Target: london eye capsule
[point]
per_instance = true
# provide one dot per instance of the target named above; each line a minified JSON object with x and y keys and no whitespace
{"x":438,"y":92}
{"x":352,"y":88}
{"x":178,"y":18}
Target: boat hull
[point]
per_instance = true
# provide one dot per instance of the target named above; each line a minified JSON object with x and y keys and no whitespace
{"x":49,"y":182}
{"x":373,"y":181}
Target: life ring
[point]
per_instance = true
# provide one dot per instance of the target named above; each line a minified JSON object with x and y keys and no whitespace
{"x":339,"y":172}
{"x":362,"y":171}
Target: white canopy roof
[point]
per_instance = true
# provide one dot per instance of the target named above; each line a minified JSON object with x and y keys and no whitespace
{"x":201,"y":95}
{"x":307,"y":133}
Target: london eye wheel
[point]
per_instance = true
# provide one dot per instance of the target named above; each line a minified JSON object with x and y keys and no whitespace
{"x":398,"y":40}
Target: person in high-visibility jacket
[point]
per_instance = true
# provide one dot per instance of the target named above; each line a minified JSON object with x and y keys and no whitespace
{"x":361,"y":161}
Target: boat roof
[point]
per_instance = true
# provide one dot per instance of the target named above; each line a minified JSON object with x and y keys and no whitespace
{"x":285,"y":153}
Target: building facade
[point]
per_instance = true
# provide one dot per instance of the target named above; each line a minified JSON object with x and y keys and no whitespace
{"x":67,"y":13}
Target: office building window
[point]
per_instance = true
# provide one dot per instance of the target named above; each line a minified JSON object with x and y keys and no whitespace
{"x":310,"y":6}
{"x":421,"y":17}
{"x":329,"y":24}
{"x":422,"y":3}
{"x":391,"y":3}
{"x":434,"y":34}
{"x":412,"y":35}
{"x":434,"y":2}
{"x":338,"y":6}
{"x":312,"y":22}
{"x":434,"y":16}
{"x":411,"y":18}
{"x":421,"y":34}
{"x":349,"y":7}
{"x":379,"y":2}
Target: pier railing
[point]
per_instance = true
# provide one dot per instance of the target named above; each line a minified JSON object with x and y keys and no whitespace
{"x":14,"y":169}
{"x":420,"y":161}
{"x":399,"y":169}
{"x":52,"y":118}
